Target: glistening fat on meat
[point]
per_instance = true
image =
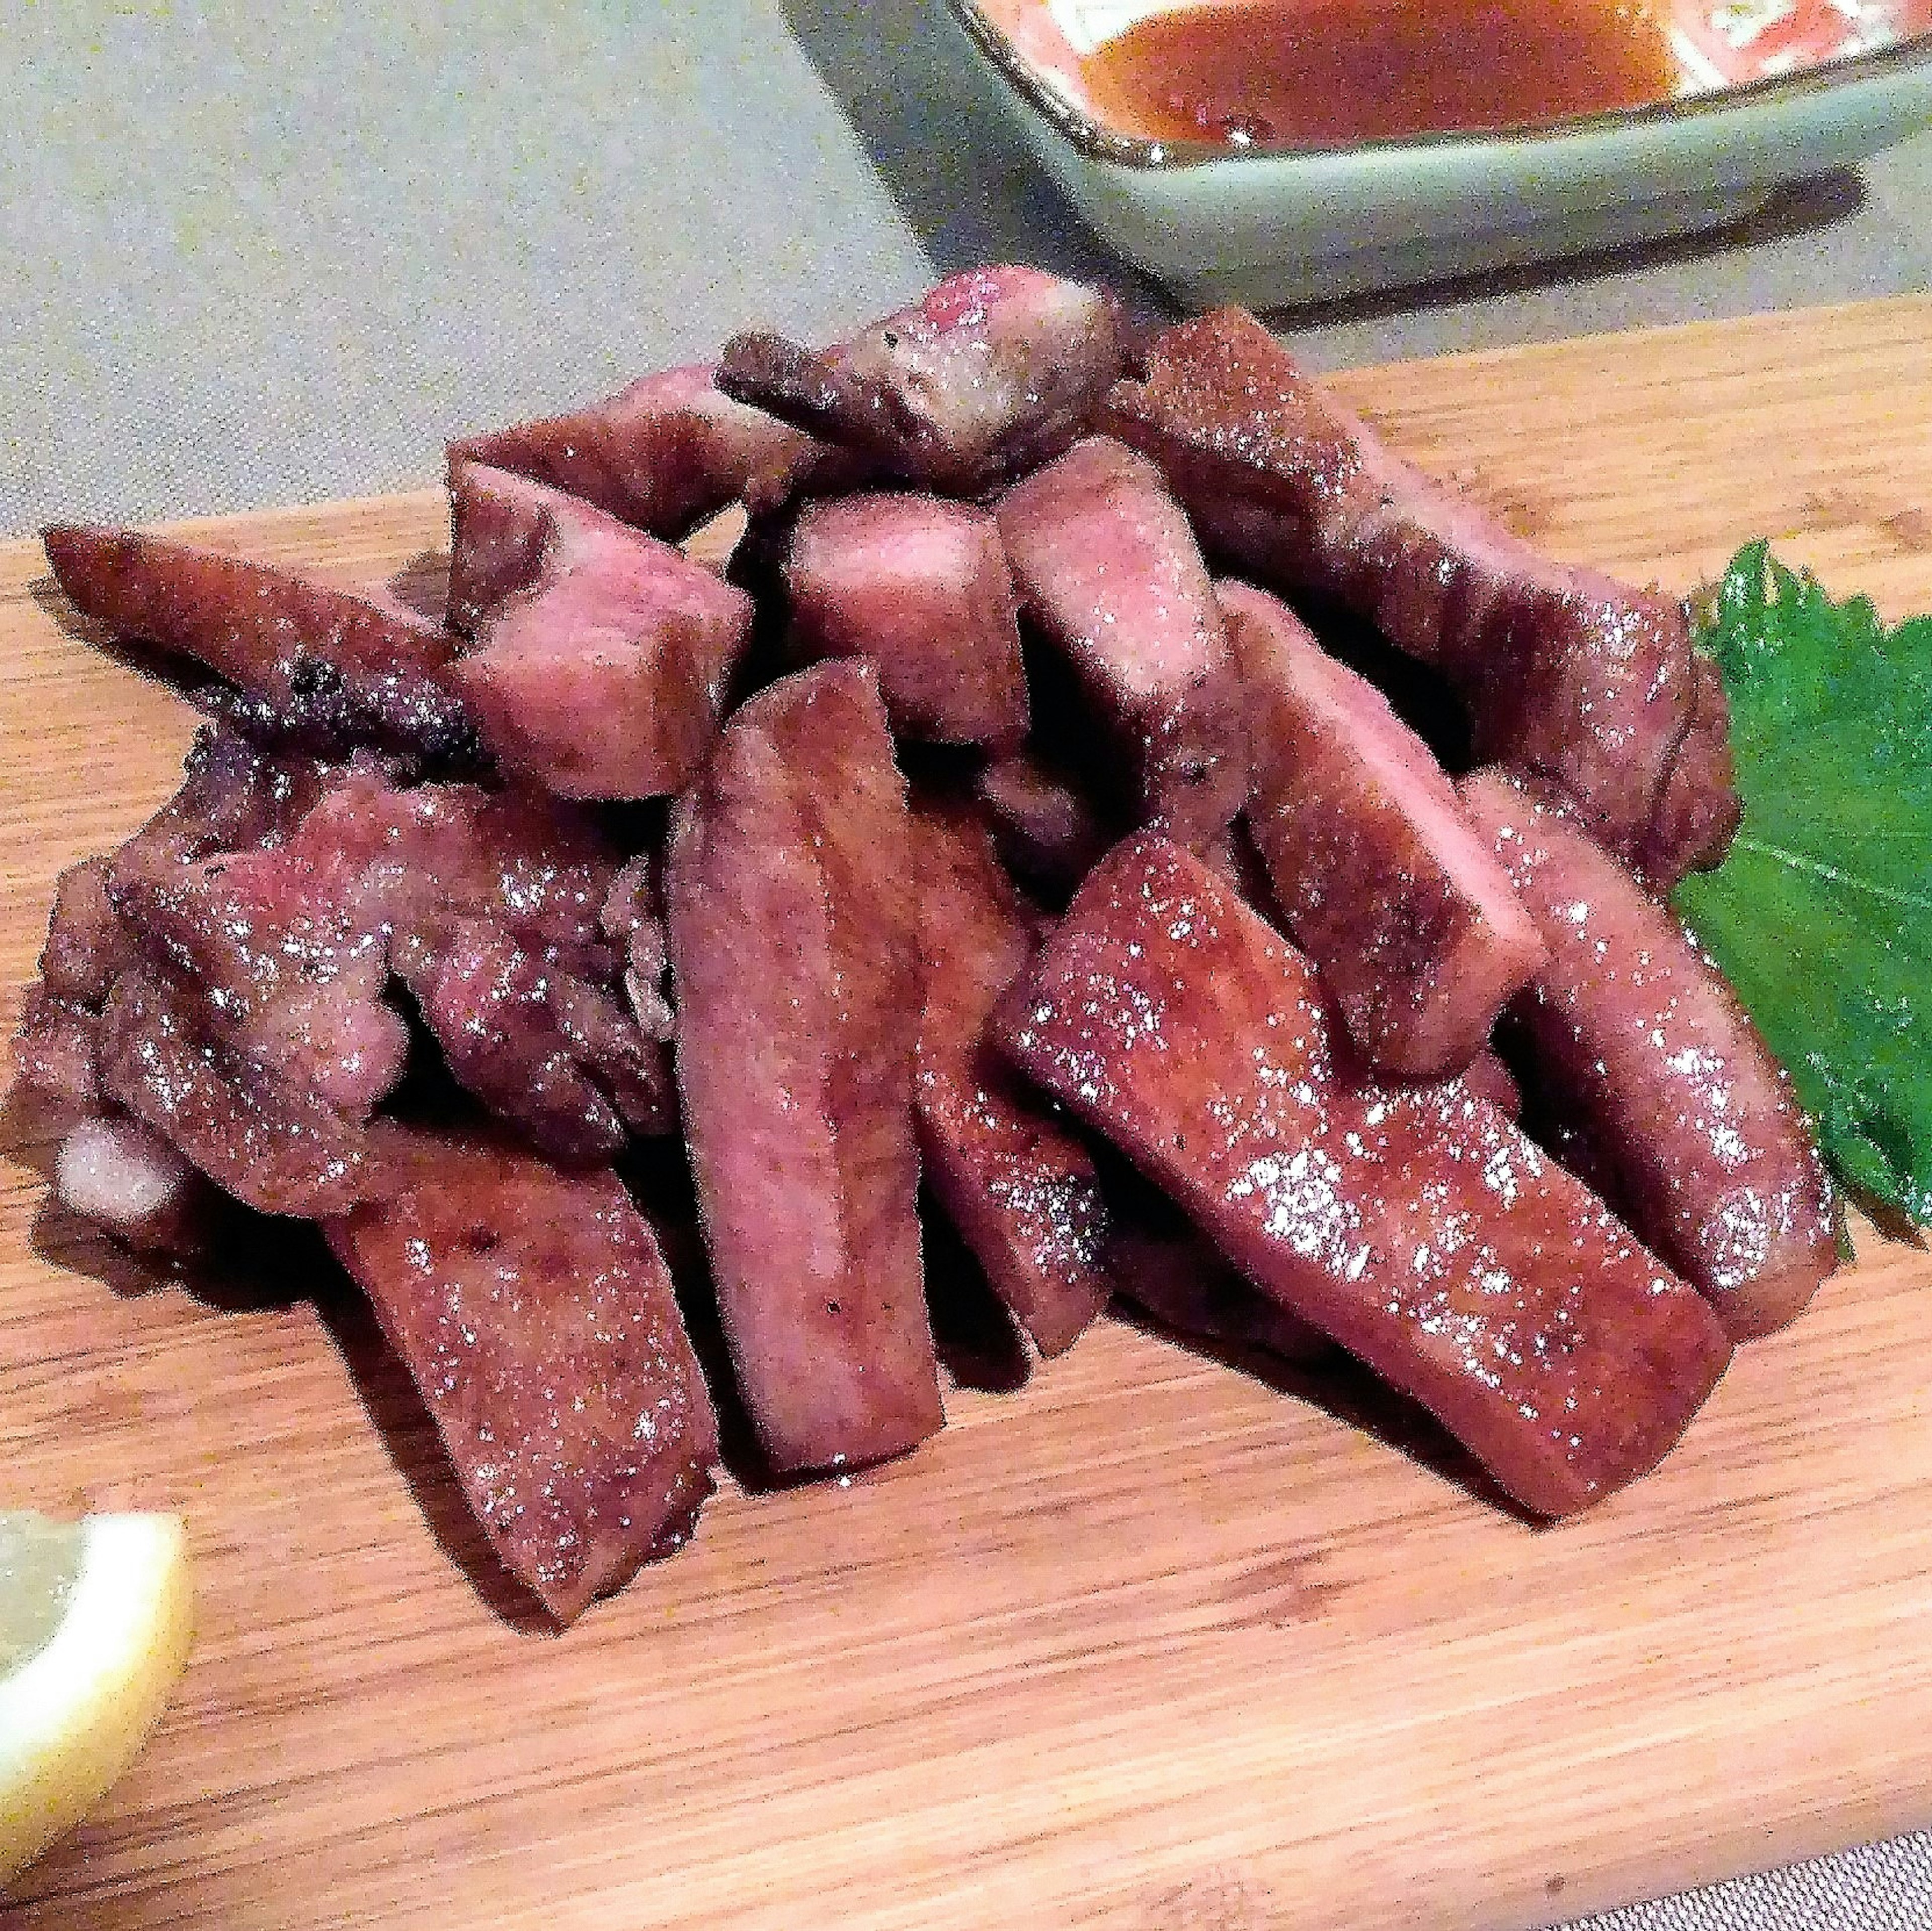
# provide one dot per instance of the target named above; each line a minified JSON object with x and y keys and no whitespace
{"x":534,"y":1313}
{"x":1566,"y":672}
{"x":794,"y":947}
{"x":601,"y":655}
{"x":325,"y":668}
{"x":990,"y":373}
{"x":1109,"y":570}
{"x":1414,"y":1225}
{"x":124,"y":1177}
{"x":921,"y":586}
{"x":1404,"y":911}
{"x":1013,"y":1179}
{"x":1635,"y":1036}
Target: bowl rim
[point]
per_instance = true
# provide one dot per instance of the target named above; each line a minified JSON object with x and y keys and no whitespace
{"x":1098,"y":141}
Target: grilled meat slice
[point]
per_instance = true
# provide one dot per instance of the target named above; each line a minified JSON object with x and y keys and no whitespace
{"x":602,"y":655}
{"x":1015,"y":1181}
{"x":794,"y":947}
{"x":1109,"y":570}
{"x":1698,"y":810}
{"x":534,"y":1313}
{"x":662,"y":454}
{"x":326,"y":668}
{"x":1382,"y":882}
{"x":273,"y":1145}
{"x":1414,"y":1225}
{"x":989,"y":374}
{"x":1565,"y":672}
{"x":549,"y":1052}
{"x":1634,"y":1033}
{"x":921,"y":586}
{"x":290,"y":978}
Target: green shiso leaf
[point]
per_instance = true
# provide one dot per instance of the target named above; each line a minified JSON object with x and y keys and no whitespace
{"x":1821,"y":915}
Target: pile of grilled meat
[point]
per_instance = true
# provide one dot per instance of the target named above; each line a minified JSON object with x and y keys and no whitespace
{"x":1002,"y":838}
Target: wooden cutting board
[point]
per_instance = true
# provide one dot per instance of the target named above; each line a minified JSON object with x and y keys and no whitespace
{"x":1148,"y":1645}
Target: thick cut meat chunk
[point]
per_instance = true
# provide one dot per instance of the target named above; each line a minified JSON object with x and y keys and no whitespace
{"x":921,"y":586}
{"x":993,"y":371}
{"x":327,"y":668}
{"x":1019,"y":1186}
{"x":272,"y":1144}
{"x":128,"y":1180}
{"x":1381,"y":880}
{"x":794,"y":947}
{"x":1109,"y":570}
{"x":1414,"y":1225}
{"x":1635,"y":1034}
{"x":602,"y":655}
{"x":491,"y":905}
{"x":533,"y":1312}
{"x":663,"y":455}
{"x":1566,"y":672}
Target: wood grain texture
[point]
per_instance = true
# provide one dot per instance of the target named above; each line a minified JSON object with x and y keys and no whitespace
{"x":1147,"y":1645}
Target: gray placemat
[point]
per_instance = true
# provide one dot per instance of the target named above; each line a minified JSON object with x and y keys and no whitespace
{"x":263,"y":255}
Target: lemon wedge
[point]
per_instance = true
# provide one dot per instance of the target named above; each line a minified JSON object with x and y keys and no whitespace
{"x":95,"y":1619}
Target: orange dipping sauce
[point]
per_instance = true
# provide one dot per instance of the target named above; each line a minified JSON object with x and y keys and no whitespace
{"x":1329,"y":73}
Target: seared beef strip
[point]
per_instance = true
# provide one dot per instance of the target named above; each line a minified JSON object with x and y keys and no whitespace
{"x":126,"y":1178}
{"x":921,"y":586}
{"x":1017,"y":1183}
{"x":991,"y":371}
{"x":415,"y":859}
{"x":326,"y":668}
{"x":270,"y":1143}
{"x":602,"y":655}
{"x":1109,"y":570}
{"x":1049,"y":833}
{"x":1566,"y":672}
{"x":1381,"y":880}
{"x":662,"y":454}
{"x":1634,"y":1031}
{"x":533,"y":1312}
{"x":1415,"y":1225}
{"x":233,"y":797}
{"x":794,"y":947}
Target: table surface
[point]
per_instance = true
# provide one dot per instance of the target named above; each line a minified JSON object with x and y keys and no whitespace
{"x":268,"y":256}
